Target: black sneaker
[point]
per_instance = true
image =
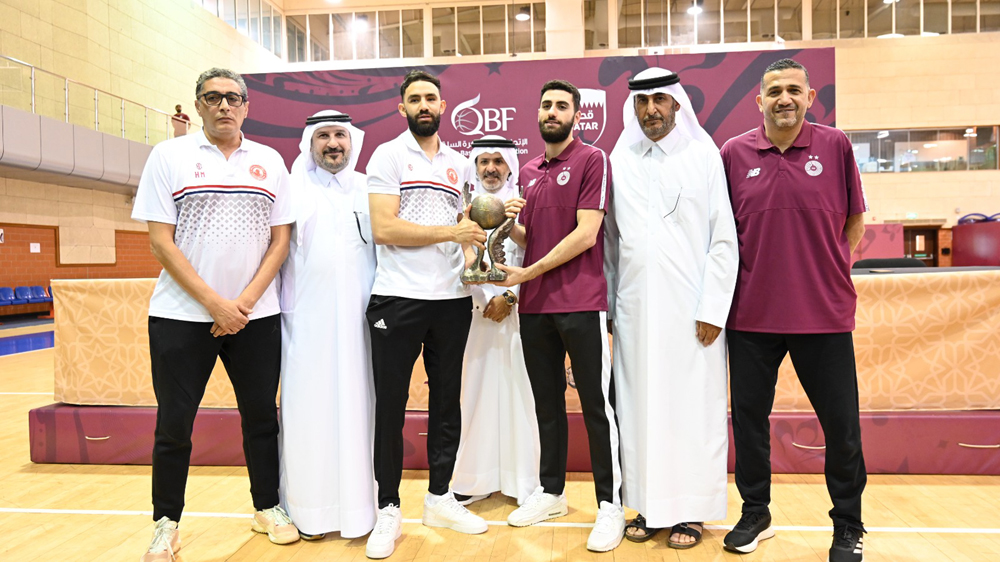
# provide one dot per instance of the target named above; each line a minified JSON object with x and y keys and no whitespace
{"x":752,"y":528}
{"x":848,"y":543}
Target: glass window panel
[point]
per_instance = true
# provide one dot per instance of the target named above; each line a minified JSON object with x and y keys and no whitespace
{"x":982,"y":148}
{"x":708,"y":22}
{"x":852,"y":18}
{"x":656,"y":24}
{"x":520,"y":31}
{"x":343,"y":40}
{"x":296,"y":38}
{"x":276,"y":20}
{"x":468,"y":31}
{"x":682,"y":24}
{"x":989,"y":15}
{"x":319,"y":37}
{"x":790,"y":19}
{"x":413,"y":33}
{"x":241,"y":16}
{"x":908,"y":17}
{"x":824,"y":19}
{"x":265,"y":26}
{"x":736,"y":21}
{"x":364,"y":35}
{"x":936,"y":16}
{"x":494,"y":30}
{"x":538,"y":13}
{"x":212,"y":6}
{"x":229,"y":11}
{"x":629,"y":16}
{"x":963,"y":16}
{"x":254,"y":6}
{"x":388,"y":35}
{"x":444,"y":31}
{"x":879,"y":17}
{"x":595,"y":24}
{"x":762,"y":20}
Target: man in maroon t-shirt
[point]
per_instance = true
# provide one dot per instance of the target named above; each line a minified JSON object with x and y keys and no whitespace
{"x":563,"y":308}
{"x":180,"y":121}
{"x":798,"y":204}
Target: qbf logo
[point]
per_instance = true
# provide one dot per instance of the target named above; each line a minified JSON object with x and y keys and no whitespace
{"x":593,"y":115}
{"x":470,"y":120}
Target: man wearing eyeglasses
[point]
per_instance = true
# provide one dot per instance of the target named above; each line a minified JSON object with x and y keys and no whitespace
{"x":327,"y":484}
{"x":219,"y":216}
{"x":671,"y":261}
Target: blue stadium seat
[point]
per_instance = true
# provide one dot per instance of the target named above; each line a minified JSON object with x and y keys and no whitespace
{"x":38,"y":294}
{"x":16,"y":297}
{"x":11,"y":296}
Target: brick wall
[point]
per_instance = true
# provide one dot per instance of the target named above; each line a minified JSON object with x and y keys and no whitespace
{"x":18,"y":266}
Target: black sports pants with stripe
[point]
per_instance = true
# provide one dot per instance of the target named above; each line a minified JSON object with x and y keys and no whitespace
{"x":399,"y":328}
{"x":546,"y":339}
{"x":826,"y":368}
{"x":183,"y":355}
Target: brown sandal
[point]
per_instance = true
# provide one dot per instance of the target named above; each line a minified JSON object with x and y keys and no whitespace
{"x":639,"y":523}
{"x":684,"y":529}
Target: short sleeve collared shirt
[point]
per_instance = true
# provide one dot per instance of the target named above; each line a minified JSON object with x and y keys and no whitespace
{"x":223,"y":211}
{"x":579,"y":178}
{"x":430,"y":194}
{"x":791,"y":209}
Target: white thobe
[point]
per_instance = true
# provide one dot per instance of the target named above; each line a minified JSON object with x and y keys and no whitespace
{"x":672,"y":260}
{"x":327,"y":395}
{"x":499,"y":449}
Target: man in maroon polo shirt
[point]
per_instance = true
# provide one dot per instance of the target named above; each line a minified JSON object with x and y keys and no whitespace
{"x":563,"y":308}
{"x":798,"y":203}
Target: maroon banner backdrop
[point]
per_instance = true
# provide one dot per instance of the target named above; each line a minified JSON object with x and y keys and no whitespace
{"x":502,"y":97}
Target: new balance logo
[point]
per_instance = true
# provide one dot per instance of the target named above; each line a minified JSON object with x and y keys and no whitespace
{"x":381,"y":324}
{"x":753,"y":173}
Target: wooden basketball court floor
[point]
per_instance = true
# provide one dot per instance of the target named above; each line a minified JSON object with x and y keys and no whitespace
{"x":103,"y":513}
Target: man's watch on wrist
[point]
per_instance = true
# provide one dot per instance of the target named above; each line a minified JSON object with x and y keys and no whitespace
{"x":510,"y":297}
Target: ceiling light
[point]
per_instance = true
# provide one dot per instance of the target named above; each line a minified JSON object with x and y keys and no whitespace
{"x":524,"y":14}
{"x":694,"y":10}
{"x":882,"y":134}
{"x":930,"y":145}
{"x":890,"y":36}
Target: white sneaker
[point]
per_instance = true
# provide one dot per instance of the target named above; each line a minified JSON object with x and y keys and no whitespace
{"x":388,"y":528}
{"x":447,"y":513}
{"x":538,"y":507}
{"x":608,"y":529}
{"x":166,"y":542}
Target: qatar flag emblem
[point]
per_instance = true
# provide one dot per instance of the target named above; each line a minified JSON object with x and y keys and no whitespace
{"x":593,"y":115}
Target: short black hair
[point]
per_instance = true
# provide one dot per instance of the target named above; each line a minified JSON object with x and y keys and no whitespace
{"x":564,"y":86}
{"x":783,"y":64}
{"x":417,"y":75}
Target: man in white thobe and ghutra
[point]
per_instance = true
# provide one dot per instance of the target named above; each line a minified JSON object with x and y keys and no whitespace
{"x":672,"y":263}
{"x":499,"y":448}
{"x":327,"y":400}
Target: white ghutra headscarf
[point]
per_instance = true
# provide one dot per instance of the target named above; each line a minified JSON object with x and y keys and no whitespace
{"x":488,"y":145}
{"x":304,"y":162}
{"x":652,"y":81}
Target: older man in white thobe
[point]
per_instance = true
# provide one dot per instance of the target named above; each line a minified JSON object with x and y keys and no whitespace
{"x":499,"y":448}
{"x":327,"y":400}
{"x":671,"y":260}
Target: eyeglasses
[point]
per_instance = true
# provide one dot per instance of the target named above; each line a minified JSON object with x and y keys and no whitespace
{"x":215,"y":98}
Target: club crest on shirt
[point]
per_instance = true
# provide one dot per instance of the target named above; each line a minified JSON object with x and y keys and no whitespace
{"x":258,"y":172}
{"x":563,"y":178}
{"x":753,"y":173}
{"x":452,"y":175}
{"x":813,"y":167}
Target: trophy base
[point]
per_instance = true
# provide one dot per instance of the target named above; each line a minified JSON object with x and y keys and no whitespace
{"x":496,"y":275}
{"x":474,"y":276}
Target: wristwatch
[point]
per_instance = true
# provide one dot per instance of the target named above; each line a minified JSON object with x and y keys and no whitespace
{"x":510,"y":297}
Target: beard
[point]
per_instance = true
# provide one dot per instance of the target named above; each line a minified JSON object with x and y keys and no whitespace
{"x":321,"y":160}
{"x":556,"y":135}
{"x":652,"y":130}
{"x":426,"y":129}
{"x":785,"y":122}
{"x":491,"y":183}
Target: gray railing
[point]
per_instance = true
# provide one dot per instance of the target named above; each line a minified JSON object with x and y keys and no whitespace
{"x":25,"y":86}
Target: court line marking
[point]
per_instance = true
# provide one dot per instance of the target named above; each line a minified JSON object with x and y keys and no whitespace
{"x":798,"y":528}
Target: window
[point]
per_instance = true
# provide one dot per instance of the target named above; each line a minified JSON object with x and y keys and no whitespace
{"x":790,"y":20}
{"x":936,"y":16}
{"x":824,"y":19}
{"x":736,"y":21}
{"x":852,"y":18}
{"x":389,"y":35}
{"x":595,"y":23}
{"x":413,"y":32}
{"x":926,"y":150}
{"x":963,"y":16}
{"x":880,"y":17}
{"x":494,"y":30}
{"x":762,"y":20}
{"x":257,"y":19}
{"x":519,"y":30}
{"x":989,"y":15}
{"x":629,"y":24}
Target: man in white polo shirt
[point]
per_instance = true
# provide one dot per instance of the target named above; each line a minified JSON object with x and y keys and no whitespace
{"x":415,"y":193}
{"x":219,"y":219}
